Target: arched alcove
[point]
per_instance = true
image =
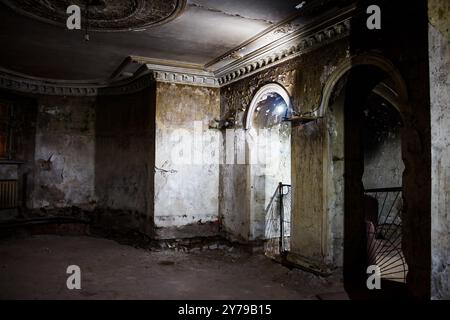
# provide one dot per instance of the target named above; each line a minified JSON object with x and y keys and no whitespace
{"x":269,"y":150}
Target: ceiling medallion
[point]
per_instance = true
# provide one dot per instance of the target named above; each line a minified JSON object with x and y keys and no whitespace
{"x":104,"y":15}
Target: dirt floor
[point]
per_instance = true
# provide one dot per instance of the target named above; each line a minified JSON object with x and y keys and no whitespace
{"x":35,"y":268}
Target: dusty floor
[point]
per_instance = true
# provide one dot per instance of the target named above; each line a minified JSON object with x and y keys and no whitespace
{"x":35,"y":268}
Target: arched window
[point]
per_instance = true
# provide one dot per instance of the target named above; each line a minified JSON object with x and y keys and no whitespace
{"x":270,"y":106}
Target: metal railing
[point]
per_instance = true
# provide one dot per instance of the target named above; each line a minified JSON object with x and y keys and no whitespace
{"x":278,"y":222}
{"x":383,"y":211}
{"x":285,"y":216}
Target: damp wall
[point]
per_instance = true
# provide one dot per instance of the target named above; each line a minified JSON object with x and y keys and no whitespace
{"x":187,"y":161}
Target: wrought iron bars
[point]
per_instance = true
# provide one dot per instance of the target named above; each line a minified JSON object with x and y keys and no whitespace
{"x":384,"y":232}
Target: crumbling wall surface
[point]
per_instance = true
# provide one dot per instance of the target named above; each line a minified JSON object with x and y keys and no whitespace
{"x":124,"y":160}
{"x":234,"y":204}
{"x":64,"y":153}
{"x":384,"y":169}
{"x":309,"y":221}
{"x":439,"y":56}
{"x":187,"y":157}
{"x":383,"y":166}
{"x":403,"y":41}
{"x":303,"y":78}
{"x":335,"y":194}
{"x":273,"y":153}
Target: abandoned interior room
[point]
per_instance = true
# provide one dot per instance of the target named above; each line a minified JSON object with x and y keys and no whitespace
{"x":225,"y":150}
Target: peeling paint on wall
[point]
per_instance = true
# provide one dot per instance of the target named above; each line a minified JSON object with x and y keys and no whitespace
{"x":303,"y":78}
{"x":439,"y":51}
{"x":64,"y":153}
{"x":186,"y":193}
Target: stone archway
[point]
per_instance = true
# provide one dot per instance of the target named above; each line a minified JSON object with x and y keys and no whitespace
{"x":399,"y":89}
{"x":357,"y":78}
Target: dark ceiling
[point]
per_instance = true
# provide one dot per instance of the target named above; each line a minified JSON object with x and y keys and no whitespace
{"x":204,"y":30}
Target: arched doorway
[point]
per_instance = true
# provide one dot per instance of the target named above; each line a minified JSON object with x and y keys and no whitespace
{"x":269,"y":145}
{"x":365,"y":100}
{"x":382,"y":180}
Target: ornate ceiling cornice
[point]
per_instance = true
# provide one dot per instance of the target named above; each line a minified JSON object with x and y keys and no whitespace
{"x":286,"y":41}
{"x":181,"y":73}
{"x":278,"y":53}
{"x":121,"y":83}
{"x":291,"y":39}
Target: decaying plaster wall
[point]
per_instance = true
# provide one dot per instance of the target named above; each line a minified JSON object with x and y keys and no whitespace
{"x":317,"y":191}
{"x":439,"y":55}
{"x":274,"y":166}
{"x":383,"y":165}
{"x":64,"y":153}
{"x":125,"y":158}
{"x":187,"y":159}
{"x":186,"y":194}
{"x":403,"y":32}
{"x":235,"y":184}
{"x":334,"y":140}
{"x":303,"y":78}
{"x":87,"y":155}
{"x":119,"y":159}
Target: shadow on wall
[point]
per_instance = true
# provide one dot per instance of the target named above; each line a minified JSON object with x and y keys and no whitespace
{"x":125,"y":159}
{"x":395,"y":40}
{"x":85,"y":157}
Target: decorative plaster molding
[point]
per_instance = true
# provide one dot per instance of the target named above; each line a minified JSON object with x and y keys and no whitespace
{"x":294,"y":42}
{"x":281,"y":43}
{"x":282,"y":53}
{"x":186,"y":78}
{"x":180,"y":73}
{"x":105,"y":16}
{"x":29,"y":85}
